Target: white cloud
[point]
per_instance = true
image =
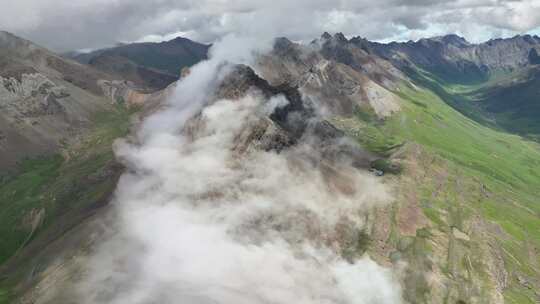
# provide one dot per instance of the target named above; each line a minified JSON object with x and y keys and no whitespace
{"x":66,"y":24}
{"x":200,"y":222}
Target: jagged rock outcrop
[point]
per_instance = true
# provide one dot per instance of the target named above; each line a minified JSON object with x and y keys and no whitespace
{"x":33,"y":96}
{"x":296,"y":120}
{"x":335,"y":74}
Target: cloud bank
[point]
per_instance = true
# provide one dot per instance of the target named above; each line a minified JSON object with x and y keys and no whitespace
{"x":199,"y":220}
{"x":67,"y":25}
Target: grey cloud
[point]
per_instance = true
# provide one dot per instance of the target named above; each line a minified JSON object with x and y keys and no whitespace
{"x":65,"y":25}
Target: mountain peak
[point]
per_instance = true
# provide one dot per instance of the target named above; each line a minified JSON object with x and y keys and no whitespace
{"x":528,"y":38}
{"x":340,"y":37}
{"x":336,"y":38}
{"x":6,"y":33}
{"x":282,"y":43}
{"x":326,"y":36}
{"x":452,"y":39}
{"x":180,"y":39}
{"x":455,"y":39}
{"x":7,"y":39}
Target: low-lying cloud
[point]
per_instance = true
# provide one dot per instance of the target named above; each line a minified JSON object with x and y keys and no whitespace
{"x":204,"y":216}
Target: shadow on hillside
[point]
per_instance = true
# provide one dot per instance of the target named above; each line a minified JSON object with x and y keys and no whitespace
{"x":512,"y":109}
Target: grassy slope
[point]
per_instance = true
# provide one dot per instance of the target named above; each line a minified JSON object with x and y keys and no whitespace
{"x":514,"y":102}
{"x":61,"y":185}
{"x":507,"y":100}
{"x":4,"y":296}
{"x":504,"y":163}
{"x":487,"y":172}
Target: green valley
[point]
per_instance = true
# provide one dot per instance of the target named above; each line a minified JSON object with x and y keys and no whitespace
{"x":464,"y":173}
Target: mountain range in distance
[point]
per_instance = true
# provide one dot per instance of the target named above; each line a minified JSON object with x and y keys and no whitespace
{"x":150,"y":65}
{"x":507,"y":68}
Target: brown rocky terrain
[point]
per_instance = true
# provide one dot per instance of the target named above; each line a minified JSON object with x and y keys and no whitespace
{"x":46,"y":101}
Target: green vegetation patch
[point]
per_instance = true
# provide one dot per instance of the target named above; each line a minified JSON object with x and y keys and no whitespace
{"x":505,"y":100}
{"x":48,"y":187}
{"x":498,"y":176}
{"x":386,"y":166}
{"x":4,"y":296}
{"x":474,"y":168}
{"x":368,"y":131}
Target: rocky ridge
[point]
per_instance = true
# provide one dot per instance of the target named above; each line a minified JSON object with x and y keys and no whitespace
{"x":450,"y":55}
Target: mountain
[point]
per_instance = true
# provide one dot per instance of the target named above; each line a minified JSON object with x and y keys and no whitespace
{"x":454,"y":217}
{"x":337,"y":76}
{"x":47,"y":101}
{"x":492,"y":82}
{"x":435,"y":121}
{"x":57,"y":125}
{"x":510,"y":101}
{"x":455,"y":60}
{"x":149,"y":65}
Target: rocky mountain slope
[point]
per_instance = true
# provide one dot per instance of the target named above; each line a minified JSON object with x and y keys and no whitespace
{"x":57,"y":125}
{"x":491,"y":82}
{"x":46,"y":101}
{"x":340,"y":78}
{"x":463,"y":224}
{"x":456,"y":60}
{"x":149,"y":65}
{"x":453,"y":239}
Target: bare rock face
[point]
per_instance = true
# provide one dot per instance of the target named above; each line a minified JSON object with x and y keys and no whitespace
{"x":45,"y":100}
{"x":335,"y":74}
{"x":341,"y":50}
{"x":383,"y":102}
{"x":534,"y":58}
{"x":30,"y":85}
{"x":296,"y":120}
{"x":263,"y":135}
{"x":37,"y":116}
{"x":35,"y":95}
{"x":127,"y":94}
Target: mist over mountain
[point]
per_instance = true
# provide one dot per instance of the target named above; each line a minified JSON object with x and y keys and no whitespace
{"x":262,"y":170}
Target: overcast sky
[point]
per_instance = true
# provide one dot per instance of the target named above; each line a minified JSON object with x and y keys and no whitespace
{"x":85,"y":24}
